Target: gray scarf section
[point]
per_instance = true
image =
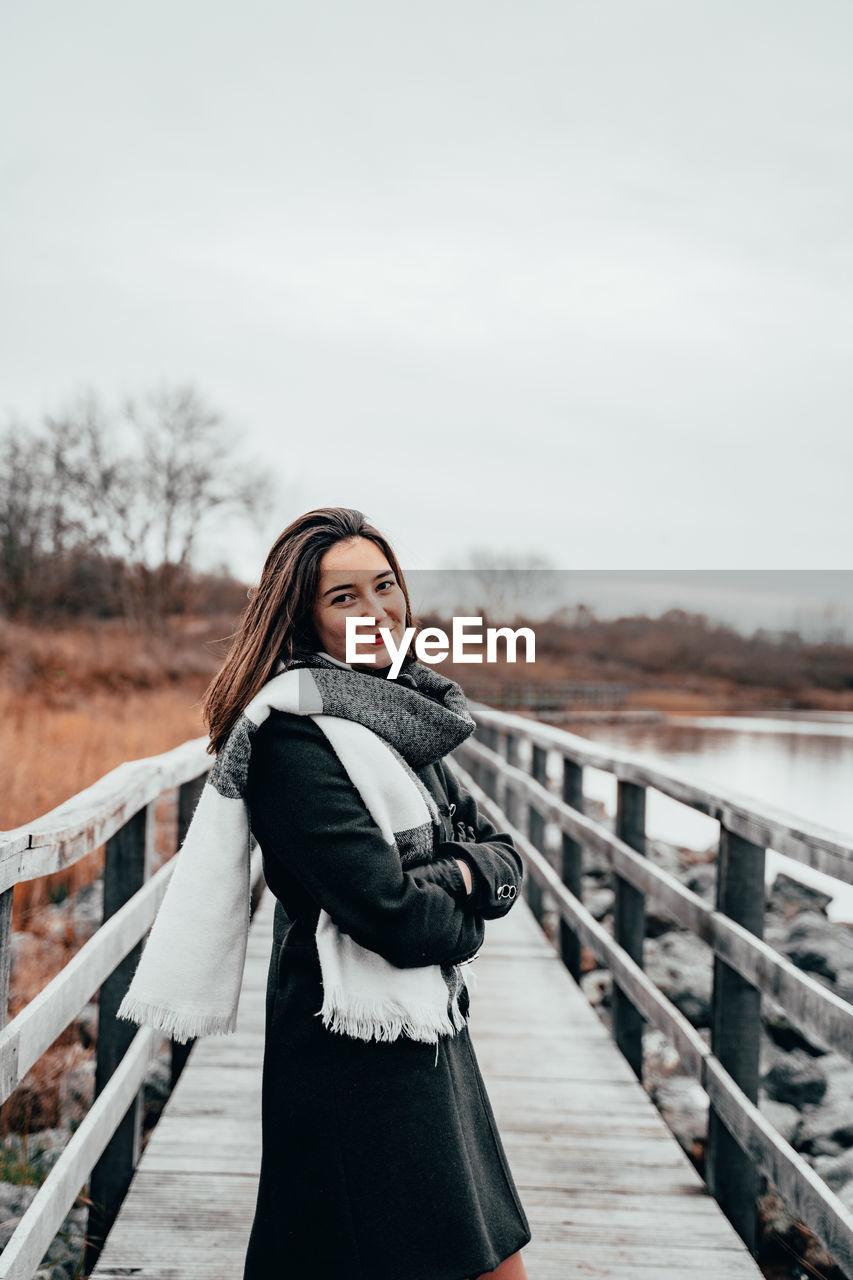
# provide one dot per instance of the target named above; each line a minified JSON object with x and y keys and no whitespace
{"x":422,"y":715}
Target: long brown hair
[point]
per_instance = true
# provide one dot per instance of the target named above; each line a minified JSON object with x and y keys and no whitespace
{"x":277,"y":623}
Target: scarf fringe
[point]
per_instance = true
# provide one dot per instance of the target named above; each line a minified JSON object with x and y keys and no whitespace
{"x":376,"y":1020}
{"x":174,"y":1023}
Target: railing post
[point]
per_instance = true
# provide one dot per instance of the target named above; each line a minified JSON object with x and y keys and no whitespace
{"x":127,"y":866}
{"x":188,"y":798}
{"x":570,"y":946}
{"x":488,"y":776}
{"x":731,"y":1176}
{"x":6,"y":900}
{"x":629,"y":921}
{"x":510,"y":800}
{"x":536,"y":831}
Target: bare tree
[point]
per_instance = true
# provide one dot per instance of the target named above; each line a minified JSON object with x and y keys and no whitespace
{"x":184,"y":470}
{"x":137,"y":487}
{"x":24,"y":539}
{"x":504,"y":585}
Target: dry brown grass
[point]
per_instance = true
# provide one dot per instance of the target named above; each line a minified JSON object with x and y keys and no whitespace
{"x":60,"y":664}
{"x":73,"y":705}
{"x":54,"y":751}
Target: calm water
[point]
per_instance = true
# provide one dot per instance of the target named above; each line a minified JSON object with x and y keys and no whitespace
{"x":802,"y":763}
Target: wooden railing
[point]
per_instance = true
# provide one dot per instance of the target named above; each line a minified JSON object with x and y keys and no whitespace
{"x":742,"y":1144}
{"x":117,"y":811}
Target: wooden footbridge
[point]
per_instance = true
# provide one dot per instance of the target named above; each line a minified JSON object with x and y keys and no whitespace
{"x":607,"y":1188}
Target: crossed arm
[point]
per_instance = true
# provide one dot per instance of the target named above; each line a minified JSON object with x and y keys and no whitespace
{"x":307,"y":814}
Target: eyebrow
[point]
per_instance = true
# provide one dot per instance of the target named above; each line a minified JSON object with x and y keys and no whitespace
{"x":345,"y":586}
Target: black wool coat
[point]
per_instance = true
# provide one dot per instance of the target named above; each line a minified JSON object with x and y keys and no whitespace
{"x":381,"y":1160}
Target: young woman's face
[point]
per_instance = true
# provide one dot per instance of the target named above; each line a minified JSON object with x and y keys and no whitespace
{"x":356,"y":581}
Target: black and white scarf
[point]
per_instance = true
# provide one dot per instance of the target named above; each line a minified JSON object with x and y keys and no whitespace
{"x":188,"y":981}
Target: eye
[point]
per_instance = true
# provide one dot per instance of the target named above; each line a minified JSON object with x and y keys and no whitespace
{"x":341,"y":599}
{"x":389,"y":584}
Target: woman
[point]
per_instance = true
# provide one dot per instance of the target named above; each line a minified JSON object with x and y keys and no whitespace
{"x":381,"y":1158}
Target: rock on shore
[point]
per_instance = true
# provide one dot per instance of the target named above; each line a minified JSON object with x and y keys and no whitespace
{"x":805,"y":1091}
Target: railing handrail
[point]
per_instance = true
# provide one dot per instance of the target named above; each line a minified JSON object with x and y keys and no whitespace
{"x":33,"y":1030}
{"x":118,"y":811}
{"x":87,"y":820}
{"x":821,"y":1012}
{"x":741,"y":956}
{"x":38,"y":1226}
{"x":770,"y":826}
{"x":105,"y":810}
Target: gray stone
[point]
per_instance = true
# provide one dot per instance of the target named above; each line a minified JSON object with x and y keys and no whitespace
{"x":832,"y":1120}
{"x":15,"y":1199}
{"x":818,"y":946}
{"x":775,"y":932}
{"x":702,"y":880}
{"x":836,"y":1171}
{"x":681,"y":967}
{"x":596,"y":865}
{"x":158,"y":1079}
{"x":796,"y":1077}
{"x":769,"y":1053}
{"x":844,"y":984}
{"x":839,"y":1070}
{"x":807,"y":923}
{"x":64,"y":1256}
{"x":783,"y":1032}
{"x":600,"y":903}
{"x":664,"y":855}
{"x":76,"y":1090}
{"x":789,"y":896}
{"x":34,"y":1155}
{"x":683,"y":1104}
{"x":45,"y":1147}
{"x":827,"y":1129}
{"x":784,"y":1118}
{"x":657,"y":924}
{"x":14,"y":1202}
{"x":657,"y":921}
{"x":660,"y":1058}
{"x":597,"y":986}
{"x":823,"y":1146}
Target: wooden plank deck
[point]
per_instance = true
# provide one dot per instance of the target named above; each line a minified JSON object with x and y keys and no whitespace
{"x":608,"y":1190}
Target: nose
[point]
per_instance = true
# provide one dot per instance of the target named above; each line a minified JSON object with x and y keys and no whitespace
{"x":378,"y":609}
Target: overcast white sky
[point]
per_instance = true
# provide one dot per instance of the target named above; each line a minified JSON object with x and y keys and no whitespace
{"x":567,"y":278}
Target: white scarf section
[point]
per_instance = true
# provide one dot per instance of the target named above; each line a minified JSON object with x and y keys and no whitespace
{"x":188,"y":980}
